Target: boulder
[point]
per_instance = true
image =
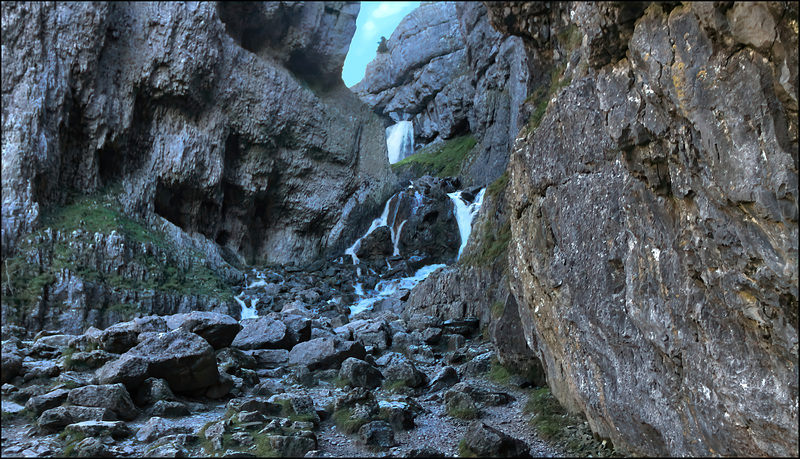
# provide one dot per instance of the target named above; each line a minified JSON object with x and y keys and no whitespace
{"x":406,"y":371}
{"x":460,"y":405}
{"x":263,"y":333}
{"x":231,"y":360}
{"x":294,"y":446}
{"x":447,"y":377}
{"x":378,"y":434}
{"x":116,"y":429}
{"x":10,"y":363}
{"x":360,"y":374}
{"x":218,"y":329}
{"x":325,"y":352}
{"x":82,"y":361}
{"x":485,"y":441}
{"x":41,"y":403}
{"x":157,"y":427}
{"x":38,"y":369}
{"x":268,"y":358}
{"x":59,"y":417}
{"x":50,"y":346}
{"x":168,"y":409}
{"x":118,"y":338}
{"x":111,"y":396}
{"x":183,"y":359}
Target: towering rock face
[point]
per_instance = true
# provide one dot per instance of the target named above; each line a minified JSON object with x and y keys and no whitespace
{"x":450,"y":72}
{"x":654,"y":222}
{"x":229,"y":120}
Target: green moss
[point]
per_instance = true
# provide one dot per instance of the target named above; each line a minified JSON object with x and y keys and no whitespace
{"x":442,"y":159}
{"x":29,"y":273}
{"x":71,"y":439}
{"x":463,"y":449}
{"x":264,"y":447}
{"x":491,"y":248}
{"x":345,"y":422}
{"x":540,"y":98}
{"x":570,"y":38}
{"x":498,"y":186}
{"x":496,"y":309}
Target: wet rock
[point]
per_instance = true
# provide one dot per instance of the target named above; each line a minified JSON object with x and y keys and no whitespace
{"x":111,"y":396}
{"x":485,"y":441}
{"x":263,"y":333}
{"x":360,"y":374}
{"x":378,"y":434}
{"x":325,"y":352}
{"x":40,"y":403}
{"x":57,"y":418}
{"x":91,"y":447}
{"x":115,"y":429}
{"x":119,"y":338}
{"x":157,"y":427}
{"x":130,"y":370}
{"x":218,"y":329}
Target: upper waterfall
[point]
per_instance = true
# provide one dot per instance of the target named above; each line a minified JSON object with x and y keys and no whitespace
{"x":464,"y":215}
{"x":400,"y":141}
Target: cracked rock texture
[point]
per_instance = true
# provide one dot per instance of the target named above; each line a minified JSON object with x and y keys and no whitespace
{"x":654,"y":223}
{"x":184,"y":106}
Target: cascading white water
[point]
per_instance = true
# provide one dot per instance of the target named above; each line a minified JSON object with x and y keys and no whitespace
{"x":400,"y":141}
{"x":384,"y":289}
{"x":247,"y":311}
{"x":464,"y":215}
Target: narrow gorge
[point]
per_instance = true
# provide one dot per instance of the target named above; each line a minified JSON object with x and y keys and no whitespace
{"x":532,"y":229}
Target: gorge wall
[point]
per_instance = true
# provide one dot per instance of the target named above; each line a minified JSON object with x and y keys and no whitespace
{"x":652,"y":210}
{"x":654,"y":223}
{"x":178,"y":112}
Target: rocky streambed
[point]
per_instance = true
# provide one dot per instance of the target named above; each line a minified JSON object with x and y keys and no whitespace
{"x":300,"y":376}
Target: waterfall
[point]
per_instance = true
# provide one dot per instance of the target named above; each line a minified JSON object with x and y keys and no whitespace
{"x":247,"y":312}
{"x":464,"y":215}
{"x":400,"y":141}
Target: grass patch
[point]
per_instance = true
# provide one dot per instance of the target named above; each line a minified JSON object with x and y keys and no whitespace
{"x":463,"y":449}
{"x":498,"y":373}
{"x":71,"y":440}
{"x":491,"y":247}
{"x":498,"y":186}
{"x":264,"y":447}
{"x":443,"y":159}
{"x":344,"y":421}
{"x":398,"y":385}
{"x":549,"y":418}
{"x":496,"y":309}
{"x":540,"y":98}
{"x":463,"y":413}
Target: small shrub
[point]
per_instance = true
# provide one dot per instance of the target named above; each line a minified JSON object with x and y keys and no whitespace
{"x":498,"y":373}
{"x":463,"y":413}
{"x":395,"y":386}
{"x":463,"y":449}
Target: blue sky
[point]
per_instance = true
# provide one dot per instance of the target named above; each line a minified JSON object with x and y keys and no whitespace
{"x":375,"y":19}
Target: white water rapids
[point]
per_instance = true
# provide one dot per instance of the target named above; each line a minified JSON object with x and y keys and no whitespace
{"x":465,"y":213}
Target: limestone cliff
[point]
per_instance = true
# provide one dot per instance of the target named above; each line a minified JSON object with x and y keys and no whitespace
{"x":654,"y":221}
{"x":218,"y":125}
{"x":451,"y":73}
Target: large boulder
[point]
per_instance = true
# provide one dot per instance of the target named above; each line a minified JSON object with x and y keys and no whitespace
{"x":325,"y":352}
{"x":218,"y":329}
{"x":360,"y":374}
{"x":264,"y":333}
{"x":482,"y":440}
{"x":10,"y":363}
{"x":183,"y":359}
{"x":111,"y":396}
{"x":41,"y":403}
{"x":59,"y":417}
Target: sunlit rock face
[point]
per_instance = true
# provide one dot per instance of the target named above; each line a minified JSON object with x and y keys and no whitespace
{"x":654,"y":222}
{"x":229,"y":120}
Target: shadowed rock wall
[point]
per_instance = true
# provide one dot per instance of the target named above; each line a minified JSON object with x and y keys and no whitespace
{"x":654,"y":223}
{"x":229,"y":120}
